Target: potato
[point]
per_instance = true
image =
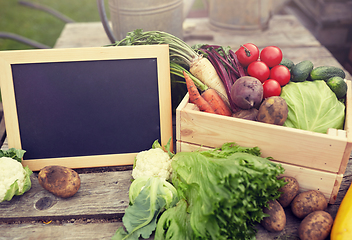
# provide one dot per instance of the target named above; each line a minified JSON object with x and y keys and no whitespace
{"x":273,"y":110}
{"x":277,"y":220}
{"x":307,"y":202}
{"x":316,"y":226}
{"x":289,"y":191}
{"x":61,"y":181}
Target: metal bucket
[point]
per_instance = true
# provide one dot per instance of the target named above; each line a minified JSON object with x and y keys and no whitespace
{"x":129,"y":15}
{"x":239,"y":14}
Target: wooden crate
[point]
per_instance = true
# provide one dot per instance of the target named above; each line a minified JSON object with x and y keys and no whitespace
{"x":316,"y":160}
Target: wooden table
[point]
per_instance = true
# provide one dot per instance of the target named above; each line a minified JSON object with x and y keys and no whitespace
{"x":95,"y":211}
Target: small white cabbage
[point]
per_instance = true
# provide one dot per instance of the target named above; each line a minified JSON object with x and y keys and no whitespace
{"x":10,"y":171}
{"x":152,"y":162}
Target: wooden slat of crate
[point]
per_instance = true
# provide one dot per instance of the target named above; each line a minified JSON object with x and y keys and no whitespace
{"x":309,"y":179}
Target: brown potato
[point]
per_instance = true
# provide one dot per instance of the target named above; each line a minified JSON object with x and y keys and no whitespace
{"x":316,"y":226}
{"x":61,"y":181}
{"x":273,"y":110}
{"x":277,"y":220}
{"x":289,"y":191}
{"x":307,"y":202}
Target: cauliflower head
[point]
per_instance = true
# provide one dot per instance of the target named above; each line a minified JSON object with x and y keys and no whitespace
{"x":152,"y":162}
{"x":14,"y":179}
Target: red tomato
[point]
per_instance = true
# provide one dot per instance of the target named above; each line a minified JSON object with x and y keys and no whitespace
{"x":271,"y":55}
{"x":259,"y":70}
{"x":271,"y":88}
{"x":247,"y":54}
{"x":281,"y":74}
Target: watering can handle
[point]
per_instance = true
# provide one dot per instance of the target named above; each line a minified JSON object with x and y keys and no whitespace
{"x":105,"y":21}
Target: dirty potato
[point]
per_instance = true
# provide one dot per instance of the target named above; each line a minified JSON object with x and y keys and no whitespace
{"x":307,"y":202}
{"x":316,"y":226}
{"x":61,"y":181}
{"x":273,"y":110}
{"x":289,"y":191}
{"x":277,"y":220}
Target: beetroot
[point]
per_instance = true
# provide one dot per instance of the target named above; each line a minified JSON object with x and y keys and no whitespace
{"x":249,"y":114}
{"x":247,"y":92}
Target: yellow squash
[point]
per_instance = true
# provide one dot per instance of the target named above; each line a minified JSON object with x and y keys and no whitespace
{"x":342,"y":227}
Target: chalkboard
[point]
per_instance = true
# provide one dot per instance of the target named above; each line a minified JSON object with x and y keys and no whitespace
{"x":86,"y":107}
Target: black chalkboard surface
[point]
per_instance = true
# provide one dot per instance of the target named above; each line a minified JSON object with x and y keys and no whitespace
{"x":84,"y":112}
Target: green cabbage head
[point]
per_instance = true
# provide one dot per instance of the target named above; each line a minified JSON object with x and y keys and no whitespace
{"x":312,"y":106}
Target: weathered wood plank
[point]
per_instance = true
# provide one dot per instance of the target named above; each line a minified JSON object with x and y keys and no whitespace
{"x":58,"y":231}
{"x":100,"y":195}
{"x":29,"y":231}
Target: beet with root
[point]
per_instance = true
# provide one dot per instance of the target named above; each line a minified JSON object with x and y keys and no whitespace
{"x":247,"y":92}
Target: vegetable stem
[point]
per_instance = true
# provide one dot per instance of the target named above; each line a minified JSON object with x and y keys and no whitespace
{"x":180,"y":52}
{"x":178,"y":70}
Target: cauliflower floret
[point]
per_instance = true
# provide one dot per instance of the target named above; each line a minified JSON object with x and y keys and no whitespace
{"x":10,"y":171}
{"x":152,"y":162}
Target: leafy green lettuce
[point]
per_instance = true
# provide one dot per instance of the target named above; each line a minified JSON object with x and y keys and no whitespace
{"x":312,"y":106}
{"x":222,"y":192}
{"x":149,"y":196}
{"x":174,"y":223}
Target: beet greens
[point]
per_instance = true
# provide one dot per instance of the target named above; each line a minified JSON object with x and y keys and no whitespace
{"x":226,"y":65}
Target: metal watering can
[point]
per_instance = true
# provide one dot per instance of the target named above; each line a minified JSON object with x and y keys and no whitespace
{"x":148,"y":15}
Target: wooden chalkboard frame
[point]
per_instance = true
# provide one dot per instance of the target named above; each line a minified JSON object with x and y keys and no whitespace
{"x":72,"y":55}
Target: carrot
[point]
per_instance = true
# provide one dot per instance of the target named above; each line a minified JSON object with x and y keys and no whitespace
{"x":195,"y":97}
{"x":216,"y":102}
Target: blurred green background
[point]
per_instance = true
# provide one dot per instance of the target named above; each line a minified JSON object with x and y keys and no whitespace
{"x":42,"y":27}
{"x":39,"y":25}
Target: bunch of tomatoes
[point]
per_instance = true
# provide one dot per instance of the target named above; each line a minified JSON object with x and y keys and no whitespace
{"x":265,"y":66}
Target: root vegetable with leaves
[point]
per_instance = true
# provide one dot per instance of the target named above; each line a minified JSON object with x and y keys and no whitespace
{"x":180,"y":53}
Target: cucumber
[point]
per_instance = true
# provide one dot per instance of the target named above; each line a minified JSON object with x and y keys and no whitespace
{"x":287,"y":63}
{"x":300,"y":72}
{"x":338,"y":86}
{"x":326,"y":72}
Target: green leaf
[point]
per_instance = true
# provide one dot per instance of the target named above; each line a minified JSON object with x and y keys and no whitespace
{"x":174,"y":223}
{"x":14,"y":189}
{"x":149,"y":196}
{"x":122,"y":234}
{"x":312,"y":106}
{"x":13,"y":153}
{"x":225,"y":192}
{"x":167,"y":147}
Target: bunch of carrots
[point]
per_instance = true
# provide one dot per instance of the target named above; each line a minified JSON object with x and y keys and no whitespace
{"x":209,"y":101}
{"x":205,"y":98}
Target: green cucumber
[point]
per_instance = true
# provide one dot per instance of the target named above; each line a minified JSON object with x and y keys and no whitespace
{"x":287,"y":63}
{"x":338,"y":86}
{"x":300,"y":72}
{"x":326,"y":72}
